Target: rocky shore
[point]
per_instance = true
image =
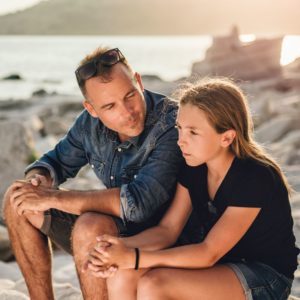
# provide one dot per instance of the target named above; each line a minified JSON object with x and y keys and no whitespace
{"x":30,"y":127}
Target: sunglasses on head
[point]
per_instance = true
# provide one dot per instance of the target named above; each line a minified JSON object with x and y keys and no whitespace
{"x":90,"y":69}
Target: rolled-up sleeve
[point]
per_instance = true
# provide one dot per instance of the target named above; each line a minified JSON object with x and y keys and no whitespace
{"x":66,"y":159}
{"x":155,"y":182}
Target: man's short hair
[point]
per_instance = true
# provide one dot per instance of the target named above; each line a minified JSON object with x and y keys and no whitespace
{"x":104,"y":73}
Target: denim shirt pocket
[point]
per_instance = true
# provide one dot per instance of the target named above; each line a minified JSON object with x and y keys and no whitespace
{"x":129,"y":174}
{"x":97,"y":164}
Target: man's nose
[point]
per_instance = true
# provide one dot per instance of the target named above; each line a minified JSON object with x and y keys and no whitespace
{"x":127,"y":110}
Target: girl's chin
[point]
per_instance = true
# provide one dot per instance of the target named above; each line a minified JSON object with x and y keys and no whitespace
{"x":192,"y":162}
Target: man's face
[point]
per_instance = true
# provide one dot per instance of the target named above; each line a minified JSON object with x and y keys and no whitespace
{"x":119,"y":103}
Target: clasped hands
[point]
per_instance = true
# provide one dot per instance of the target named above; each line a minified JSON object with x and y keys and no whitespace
{"x":107,"y":256}
{"x":31,"y":196}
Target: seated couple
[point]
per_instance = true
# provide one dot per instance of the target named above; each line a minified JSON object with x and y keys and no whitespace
{"x":194,"y":208}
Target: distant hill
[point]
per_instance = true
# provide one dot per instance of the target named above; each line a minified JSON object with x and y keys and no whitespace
{"x":145,"y":17}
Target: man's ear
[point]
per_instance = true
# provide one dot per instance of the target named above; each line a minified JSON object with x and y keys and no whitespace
{"x":138,"y":79}
{"x":228,"y":137}
{"x":89,"y":107}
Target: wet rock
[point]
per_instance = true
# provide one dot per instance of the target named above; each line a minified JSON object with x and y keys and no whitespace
{"x":39,"y":92}
{"x":13,"y":77}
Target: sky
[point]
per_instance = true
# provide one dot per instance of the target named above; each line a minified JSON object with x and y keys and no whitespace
{"x":8,"y":6}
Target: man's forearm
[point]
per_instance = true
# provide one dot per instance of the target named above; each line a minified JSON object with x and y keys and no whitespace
{"x":78,"y":202}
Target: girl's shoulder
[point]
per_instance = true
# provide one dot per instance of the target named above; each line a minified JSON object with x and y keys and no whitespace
{"x":254,"y":170}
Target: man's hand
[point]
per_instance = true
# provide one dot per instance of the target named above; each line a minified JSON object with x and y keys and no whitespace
{"x":31,"y":196}
{"x":38,"y":179}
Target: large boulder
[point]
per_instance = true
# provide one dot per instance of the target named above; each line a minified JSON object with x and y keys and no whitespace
{"x":274,"y":129}
{"x":16,"y":152}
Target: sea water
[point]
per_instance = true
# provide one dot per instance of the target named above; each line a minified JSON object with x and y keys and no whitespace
{"x":48,"y":62}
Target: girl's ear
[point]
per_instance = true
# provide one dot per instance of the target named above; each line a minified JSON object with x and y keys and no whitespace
{"x":89,"y":107}
{"x":228,"y":137}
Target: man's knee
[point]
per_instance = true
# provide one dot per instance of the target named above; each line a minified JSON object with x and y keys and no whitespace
{"x":91,"y":224}
{"x":10,"y":215}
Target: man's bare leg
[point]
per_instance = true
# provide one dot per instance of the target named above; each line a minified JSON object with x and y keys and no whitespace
{"x":31,"y":250}
{"x":86,"y":229}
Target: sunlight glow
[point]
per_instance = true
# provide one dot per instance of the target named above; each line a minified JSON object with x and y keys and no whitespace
{"x":290,"y":49}
{"x":246,"y":38}
{"x":15,"y":5}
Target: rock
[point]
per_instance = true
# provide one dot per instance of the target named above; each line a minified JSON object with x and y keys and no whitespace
{"x":9,"y":271}
{"x":39,"y":92}
{"x":43,"y":145}
{"x":5,"y":249}
{"x":68,"y":108}
{"x":292,"y":138}
{"x":16,"y":153}
{"x":274,"y":129}
{"x":228,"y":56}
{"x":55,"y":126}
{"x":6,"y":294}
{"x":13,"y":77}
{"x":13,"y":104}
{"x":294,"y":66}
{"x":293,"y":176}
{"x":149,"y":77}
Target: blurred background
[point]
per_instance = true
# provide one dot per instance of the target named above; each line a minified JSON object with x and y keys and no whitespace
{"x":256,"y":43}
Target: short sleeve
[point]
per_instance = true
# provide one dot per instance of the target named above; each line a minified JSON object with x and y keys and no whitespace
{"x":253,"y":189}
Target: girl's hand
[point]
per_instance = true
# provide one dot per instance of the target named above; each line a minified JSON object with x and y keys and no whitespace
{"x":117,"y":254}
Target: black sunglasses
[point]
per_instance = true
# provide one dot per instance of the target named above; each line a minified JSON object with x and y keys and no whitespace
{"x":90,"y":69}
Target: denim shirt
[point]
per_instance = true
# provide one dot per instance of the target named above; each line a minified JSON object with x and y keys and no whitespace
{"x":144,"y":168}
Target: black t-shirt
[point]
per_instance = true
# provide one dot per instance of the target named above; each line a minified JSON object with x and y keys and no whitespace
{"x":248,"y":183}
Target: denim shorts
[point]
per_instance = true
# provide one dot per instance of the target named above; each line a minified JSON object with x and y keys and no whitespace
{"x":261,"y":282}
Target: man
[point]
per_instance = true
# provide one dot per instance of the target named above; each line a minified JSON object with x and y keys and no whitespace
{"x":127,"y":136}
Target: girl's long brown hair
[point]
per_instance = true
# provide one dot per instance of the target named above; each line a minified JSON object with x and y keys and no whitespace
{"x":226,"y":107}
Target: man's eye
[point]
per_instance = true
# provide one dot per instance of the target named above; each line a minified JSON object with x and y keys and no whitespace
{"x":109,"y":107}
{"x":193,"y":132}
{"x":131,"y":95}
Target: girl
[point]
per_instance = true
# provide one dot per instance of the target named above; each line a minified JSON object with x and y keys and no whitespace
{"x":241,"y":198}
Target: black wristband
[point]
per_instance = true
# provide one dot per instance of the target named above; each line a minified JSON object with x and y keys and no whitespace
{"x":137,"y":258}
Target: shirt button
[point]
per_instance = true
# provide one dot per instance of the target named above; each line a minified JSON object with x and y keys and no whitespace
{"x":119,"y":149}
{"x":92,"y":166}
{"x":111,"y":177}
{"x":135,"y":176}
